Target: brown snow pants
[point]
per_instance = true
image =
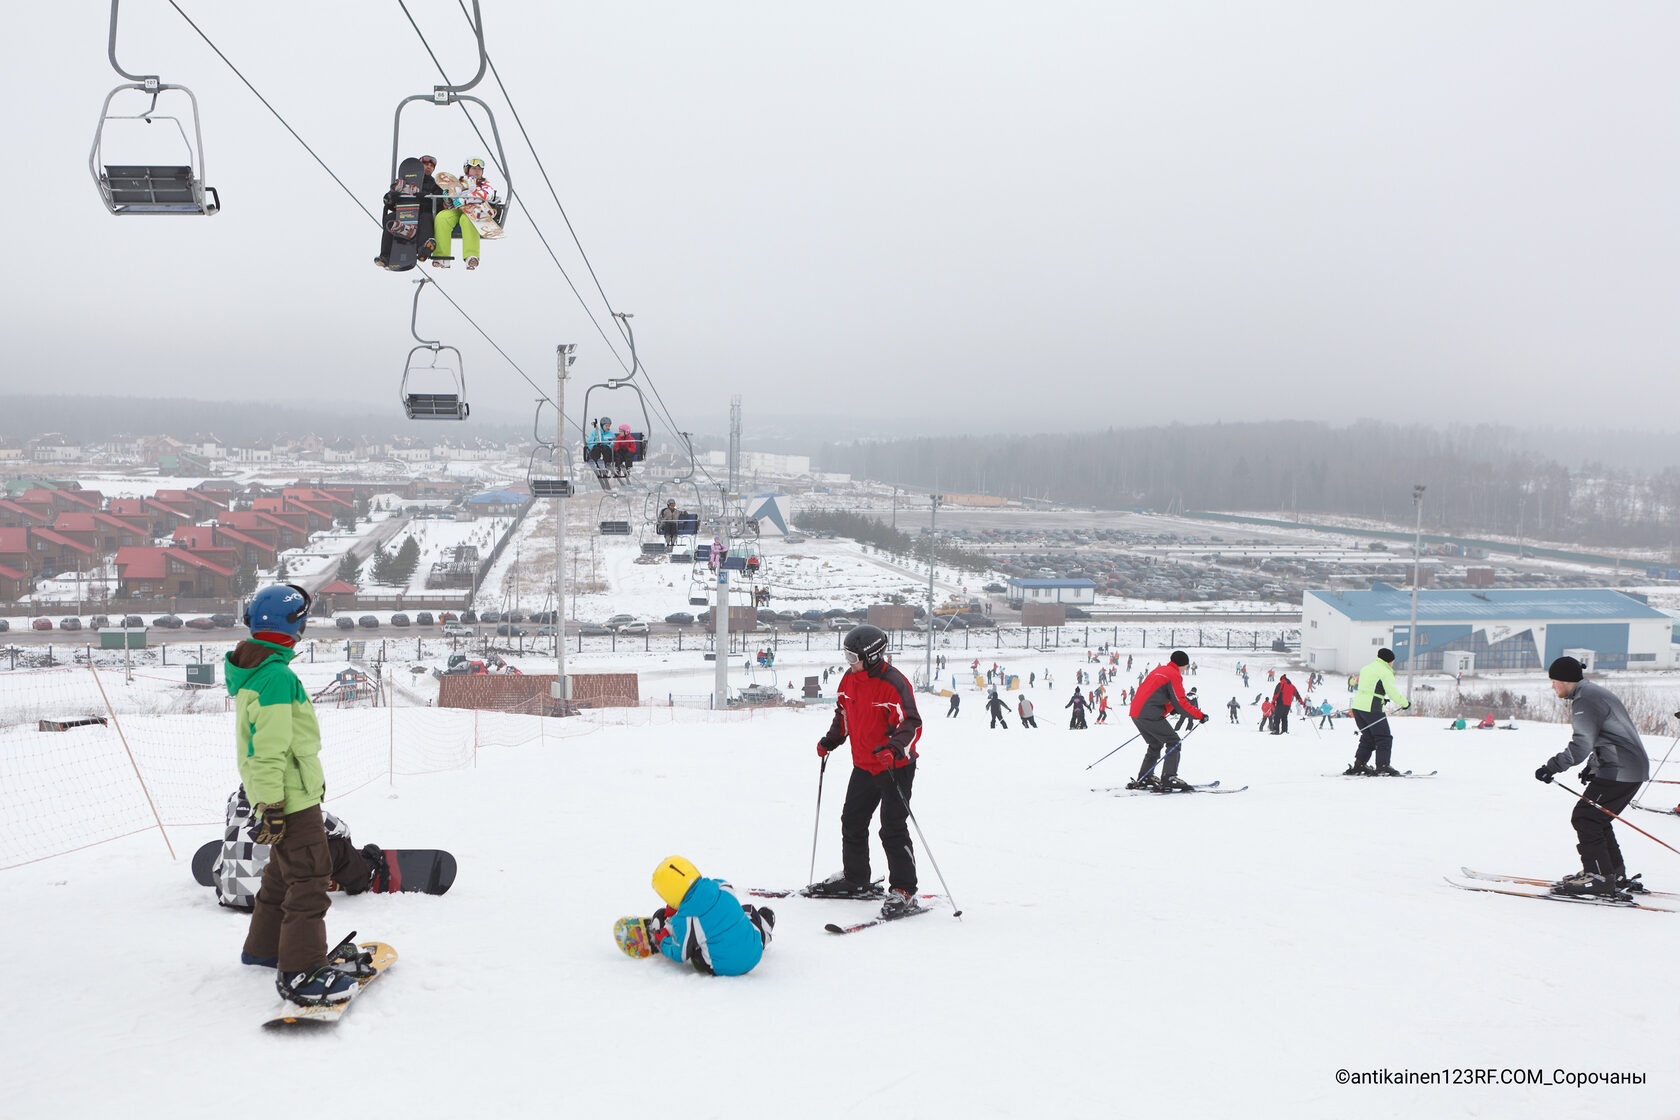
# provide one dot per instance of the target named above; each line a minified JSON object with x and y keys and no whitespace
{"x":289,"y":919}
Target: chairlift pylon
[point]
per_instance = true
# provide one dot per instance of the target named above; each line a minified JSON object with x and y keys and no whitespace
{"x":431,"y":404}
{"x":152,"y":187}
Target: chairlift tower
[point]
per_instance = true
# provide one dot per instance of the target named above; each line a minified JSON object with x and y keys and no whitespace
{"x":564,"y":355}
{"x":1417,"y":555}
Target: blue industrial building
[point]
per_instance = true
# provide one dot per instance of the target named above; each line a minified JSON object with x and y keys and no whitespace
{"x":1485,"y":630}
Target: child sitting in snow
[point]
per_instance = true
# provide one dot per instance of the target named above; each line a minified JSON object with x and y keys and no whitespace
{"x":704,"y":924}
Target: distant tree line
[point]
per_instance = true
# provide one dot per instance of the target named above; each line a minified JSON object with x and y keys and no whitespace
{"x":894,"y":542}
{"x":91,"y":420}
{"x":1480,"y":479}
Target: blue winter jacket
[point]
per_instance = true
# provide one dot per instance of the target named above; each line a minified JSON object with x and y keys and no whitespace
{"x":711,"y":927}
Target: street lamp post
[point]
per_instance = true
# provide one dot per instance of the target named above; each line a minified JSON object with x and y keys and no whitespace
{"x":1417,"y":556}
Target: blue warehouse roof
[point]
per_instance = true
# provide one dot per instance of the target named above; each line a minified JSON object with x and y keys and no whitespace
{"x":497,"y":497}
{"x":1078,"y":583}
{"x":1384,"y":603}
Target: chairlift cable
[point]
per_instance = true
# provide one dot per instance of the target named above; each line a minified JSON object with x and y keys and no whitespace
{"x":273,"y":110}
{"x":353,"y":198}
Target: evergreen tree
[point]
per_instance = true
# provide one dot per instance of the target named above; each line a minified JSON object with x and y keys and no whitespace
{"x":349,"y":569}
{"x":244,"y":580}
{"x":383,"y":570}
{"x":408,"y":559}
{"x":280,"y":571}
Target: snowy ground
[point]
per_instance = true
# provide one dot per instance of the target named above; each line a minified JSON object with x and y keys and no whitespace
{"x":1186,"y":957}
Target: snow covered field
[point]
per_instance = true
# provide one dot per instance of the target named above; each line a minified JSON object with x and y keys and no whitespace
{"x":1190,"y":956}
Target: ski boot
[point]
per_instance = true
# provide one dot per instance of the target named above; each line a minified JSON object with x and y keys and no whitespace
{"x":1587,"y":884}
{"x":441,"y":262}
{"x":1357,"y":770}
{"x":1148,"y":781}
{"x":838,"y":886}
{"x":899,"y":903}
{"x":315,"y":987}
{"x":1175,"y":784}
{"x":379,"y":870}
{"x":472,"y":263}
{"x":1386,"y":772}
{"x":1631,"y":884}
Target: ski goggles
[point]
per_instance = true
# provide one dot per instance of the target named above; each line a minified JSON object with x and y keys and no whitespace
{"x":851,"y":658}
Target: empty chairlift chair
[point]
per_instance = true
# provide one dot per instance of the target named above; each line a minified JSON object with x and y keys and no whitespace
{"x":434,"y":383}
{"x":163,"y":185}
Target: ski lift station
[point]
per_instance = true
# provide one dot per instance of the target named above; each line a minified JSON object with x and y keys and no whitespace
{"x":1485,"y":630}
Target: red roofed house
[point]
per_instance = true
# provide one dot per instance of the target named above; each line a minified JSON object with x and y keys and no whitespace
{"x":55,"y":552}
{"x":15,"y":552}
{"x":199,"y":503}
{"x":16,"y":515}
{"x":300,"y":514}
{"x":100,"y":531}
{"x":14,"y":584}
{"x":333,"y":592}
{"x":146,"y":570}
{"x":285,"y":532}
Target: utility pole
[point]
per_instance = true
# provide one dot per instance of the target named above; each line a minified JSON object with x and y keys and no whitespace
{"x":565,"y":354}
{"x":720,"y":608}
{"x":933,"y":522}
{"x":1417,"y":555}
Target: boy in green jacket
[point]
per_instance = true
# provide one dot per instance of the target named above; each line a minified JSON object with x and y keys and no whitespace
{"x":279,"y":747}
{"x":1376,"y":688}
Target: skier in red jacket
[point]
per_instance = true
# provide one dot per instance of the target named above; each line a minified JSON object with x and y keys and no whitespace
{"x":1161,"y":692}
{"x":876,"y":709}
{"x":1283,"y":698}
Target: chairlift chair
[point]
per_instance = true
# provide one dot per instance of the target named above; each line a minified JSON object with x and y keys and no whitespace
{"x":548,"y":487}
{"x":446,"y":95}
{"x":151,"y":188}
{"x":613,"y":527}
{"x":436,"y":371}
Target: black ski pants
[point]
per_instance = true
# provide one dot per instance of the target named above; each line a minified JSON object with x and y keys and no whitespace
{"x":1158,"y":733}
{"x":1594,"y":838}
{"x":1076,"y":722}
{"x":1029,"y":721}
{"x":1280,"y":720}
{"x":864,"y":793}
{"x":956,"y":702}
{"x":997,"y":718}
{"x":1374,"y":735}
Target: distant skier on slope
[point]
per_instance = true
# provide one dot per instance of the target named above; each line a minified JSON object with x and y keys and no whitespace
{"x":1076,"y":722}
{"x":998,"y":709}
{"x":1376,"y":687}
{"x":1162,"y":693}
{"x":1605,"y":738}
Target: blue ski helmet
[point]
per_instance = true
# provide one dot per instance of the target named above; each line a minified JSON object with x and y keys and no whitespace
{"x":282,"y":609}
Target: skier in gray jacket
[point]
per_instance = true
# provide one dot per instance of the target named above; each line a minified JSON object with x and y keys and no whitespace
{"x":1606,"y":739}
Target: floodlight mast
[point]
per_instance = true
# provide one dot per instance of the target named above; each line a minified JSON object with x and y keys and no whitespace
{"x":1417,"y":555}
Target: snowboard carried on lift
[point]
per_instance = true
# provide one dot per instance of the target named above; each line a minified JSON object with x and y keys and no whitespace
{"x":291,"y":1015}
{"x":399,"y":244}
{"x":408,"y":870}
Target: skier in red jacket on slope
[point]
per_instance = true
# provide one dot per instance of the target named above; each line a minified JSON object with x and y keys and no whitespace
{"x":1161,"y":692}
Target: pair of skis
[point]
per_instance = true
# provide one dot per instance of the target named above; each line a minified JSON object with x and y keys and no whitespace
{"x":1541,"y":888}
{"x":875,"y":894}
{"x":1205,"y":787}
{"x":1402,"y":774}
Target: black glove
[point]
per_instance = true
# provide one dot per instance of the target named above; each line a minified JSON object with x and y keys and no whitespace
{"x":1587,"y":774}
{"x":271,"y":823}
{"x":656,"y":931}
{"x":1544,"y":774}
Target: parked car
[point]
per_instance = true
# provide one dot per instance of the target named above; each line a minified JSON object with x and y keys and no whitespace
{"x":805,"y":625}
{"x":489,"y":616}
{"x":200,"y":623}
{"x":399,"y":619}
{"x":456,"y":630}
{"x":449,"y":616}
{"x":4,"y":626}
{"x":999,"y":589}
{"x":834,"y":612}
{"x":1077,"y":612}
{"x":41,"y":624}
{"x":344,"y":622}
{"x":98,"y":622}
{"x":544,"y":616}
{"x":813,"y":616}
{"x":592,"y":630}
{"x":424,"y":618}
{"x":547,"y":631}
{"x":69,"y":624}
{"x":841,"y":623}
{"x":368,"y":622}
{"x":223,"y":621}
{"x":765,"y":614}
{"x":510,"y":630}
{"x":618,"y":618}
{"x":680,"y":618}
{"x":514,"y":616}
{"x":627,"y":628}
{"x":167,"y":621}
{"x":469,"y":617}
{"x":133,"y":621}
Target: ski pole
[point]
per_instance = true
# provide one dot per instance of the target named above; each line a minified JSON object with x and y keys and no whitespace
{"x":1660,"y":765}
{"x":822,"y":770}
{"x":1583,"y":797}
{"x":1169,"y":751}
{"x":1115,"y":749}
{"x":892,"y":776}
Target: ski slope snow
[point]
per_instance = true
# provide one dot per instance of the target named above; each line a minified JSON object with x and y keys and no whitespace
{"x":1185,"y":956}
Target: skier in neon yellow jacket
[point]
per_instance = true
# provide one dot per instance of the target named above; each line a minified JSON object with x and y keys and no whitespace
{"x":1376,"y":688}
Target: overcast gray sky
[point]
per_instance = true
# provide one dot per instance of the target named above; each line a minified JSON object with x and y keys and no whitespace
{"x":975,"y":216}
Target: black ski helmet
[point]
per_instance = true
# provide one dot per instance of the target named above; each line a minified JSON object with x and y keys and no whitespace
{"x":869,"y":645}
